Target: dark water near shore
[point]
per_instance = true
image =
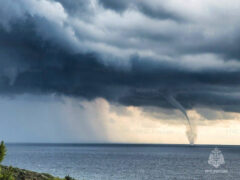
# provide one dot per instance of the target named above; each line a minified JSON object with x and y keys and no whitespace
{"x":119,"y":162}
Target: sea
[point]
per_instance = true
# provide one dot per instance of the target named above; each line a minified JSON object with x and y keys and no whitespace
{"x":128,"y":161}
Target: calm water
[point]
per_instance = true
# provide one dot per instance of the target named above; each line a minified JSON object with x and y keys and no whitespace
{"x":118,"y":162}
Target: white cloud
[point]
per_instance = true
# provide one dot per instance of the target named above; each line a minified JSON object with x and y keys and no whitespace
{"x":208,"y":62}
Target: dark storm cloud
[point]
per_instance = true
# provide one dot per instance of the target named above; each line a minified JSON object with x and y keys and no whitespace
{"x":76,"y":8}
{"x":45,"y":53}
{"x":48,"y":68}
{"x":116,"y":5}
{"x":149,"y":9}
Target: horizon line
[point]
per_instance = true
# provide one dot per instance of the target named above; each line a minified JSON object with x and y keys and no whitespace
{"x":115,"y":144}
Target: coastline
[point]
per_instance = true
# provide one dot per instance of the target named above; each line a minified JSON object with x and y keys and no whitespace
{"x":23,"y":174}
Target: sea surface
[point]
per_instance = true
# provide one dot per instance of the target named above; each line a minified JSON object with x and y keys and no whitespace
{"x":130,"y":162}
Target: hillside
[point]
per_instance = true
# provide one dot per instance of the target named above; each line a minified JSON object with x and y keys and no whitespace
{"x":22,"y":174}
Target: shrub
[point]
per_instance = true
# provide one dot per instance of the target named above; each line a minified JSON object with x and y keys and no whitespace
{"x":7,"y":174}
{"x":3,"y":151}
{"x":69,"y":178}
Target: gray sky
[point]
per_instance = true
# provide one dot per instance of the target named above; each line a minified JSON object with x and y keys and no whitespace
{"x":129,"y":53}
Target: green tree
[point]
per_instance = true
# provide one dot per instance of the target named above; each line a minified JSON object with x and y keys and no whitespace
{"x":3,"y":151}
